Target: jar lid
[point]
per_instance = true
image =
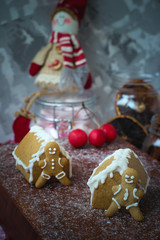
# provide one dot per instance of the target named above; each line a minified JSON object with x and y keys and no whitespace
{"x":58,"y":107}
{"x":68,"y":99}
{"x":121,"y":78}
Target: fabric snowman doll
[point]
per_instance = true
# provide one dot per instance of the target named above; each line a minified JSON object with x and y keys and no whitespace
{"x":61,"y":64}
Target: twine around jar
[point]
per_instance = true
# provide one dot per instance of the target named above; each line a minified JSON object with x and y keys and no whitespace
{"x":87,"y":110}
{"x":28,"y":102}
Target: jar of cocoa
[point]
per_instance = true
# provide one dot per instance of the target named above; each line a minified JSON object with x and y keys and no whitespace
{"x":134,"y":99}
{"x":136,"y":95}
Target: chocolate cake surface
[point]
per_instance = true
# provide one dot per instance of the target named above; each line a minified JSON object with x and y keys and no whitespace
{"x":64,"y":212}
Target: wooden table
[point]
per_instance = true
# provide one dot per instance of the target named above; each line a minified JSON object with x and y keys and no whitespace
{"x":64,"y":212}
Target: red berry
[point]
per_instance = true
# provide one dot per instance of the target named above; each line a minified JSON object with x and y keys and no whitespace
{"x":97,"y":137}
{"x":110,"y":132}
{"x":77,"y":138}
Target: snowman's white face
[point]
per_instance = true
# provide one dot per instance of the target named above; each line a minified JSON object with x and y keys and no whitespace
{"x":64,"y":23}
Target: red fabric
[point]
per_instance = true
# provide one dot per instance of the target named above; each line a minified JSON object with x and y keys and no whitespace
{"x":20,"y":128}
{"x":34,"y":69}
{"x":76,"y":6}
{"x":72,"y":52}
{"x":89,"y":82}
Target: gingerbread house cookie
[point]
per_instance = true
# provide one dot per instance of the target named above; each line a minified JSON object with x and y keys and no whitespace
{"x":109,"y":173}
{"x":40,"y":158}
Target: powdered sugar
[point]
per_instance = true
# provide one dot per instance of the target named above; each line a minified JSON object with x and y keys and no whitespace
{"x":64,"y":212}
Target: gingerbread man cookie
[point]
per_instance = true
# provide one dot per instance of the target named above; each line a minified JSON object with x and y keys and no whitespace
{"x":52,"y":165}
{"x":126,"y":195}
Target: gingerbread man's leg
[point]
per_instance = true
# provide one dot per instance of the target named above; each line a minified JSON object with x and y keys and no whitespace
{"x":62,"y":178}
{"x":43,"y":178}
{"x":136,"y":213}
{"x":113,"y":208}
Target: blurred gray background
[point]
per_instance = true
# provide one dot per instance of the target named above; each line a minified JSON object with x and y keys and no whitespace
{"x":115,"y":35}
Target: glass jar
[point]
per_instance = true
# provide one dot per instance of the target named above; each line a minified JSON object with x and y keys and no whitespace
{"x":135,"y":95}
{"x":133,"y":100}
{"x":152,"y":142}
{"x":59,"y":113}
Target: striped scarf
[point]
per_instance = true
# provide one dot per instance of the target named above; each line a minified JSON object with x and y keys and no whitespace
{"x":72,"y":52}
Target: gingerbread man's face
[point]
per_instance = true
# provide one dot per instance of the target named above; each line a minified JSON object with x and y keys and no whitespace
{"x":52,"y":149}
{"x":130,"y":176}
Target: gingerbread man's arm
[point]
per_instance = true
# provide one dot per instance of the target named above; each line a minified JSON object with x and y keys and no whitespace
{"x":63,"y":161}
{"x":116,"y":189}
{"x":139,"y":193}
{"x":42,"y":163}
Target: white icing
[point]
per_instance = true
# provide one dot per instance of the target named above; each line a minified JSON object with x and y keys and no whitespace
{"x":128,"y":181}
{"x":43,"y":137}
{"x":45,"y":176}
{"x":116,"y":203}
{"x":60,"y":175}
{"x":134,"y":193}
{"x":28,"y":168}
{"x":41,"y":134}
{"x":119,"y":164}
{"x":132,"y":205}
{"x":111,"y":175}
{"x":126,"y":195}
{"x":59,"y":162}
{"x":52,"y":153}
{"x":50,"y":149}
{"x":53,"y":164}
{"x":119,"y":189}
{"x":45,"y":164}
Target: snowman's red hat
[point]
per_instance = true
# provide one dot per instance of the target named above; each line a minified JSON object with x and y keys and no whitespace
{"x":76,"y":8}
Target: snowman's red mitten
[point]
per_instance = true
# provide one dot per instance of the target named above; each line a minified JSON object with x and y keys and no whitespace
{"x":20,"y":128}
{"x":34,"y":69}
